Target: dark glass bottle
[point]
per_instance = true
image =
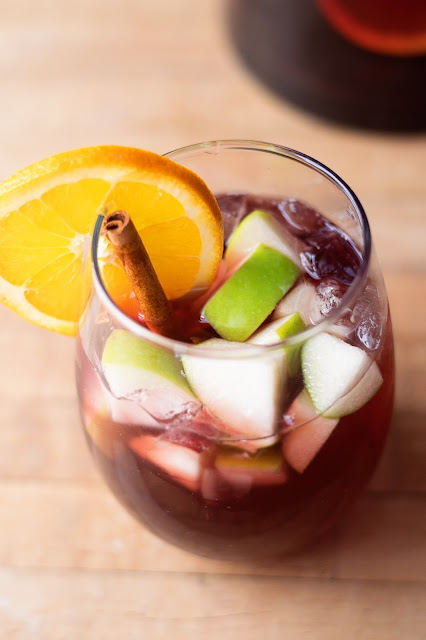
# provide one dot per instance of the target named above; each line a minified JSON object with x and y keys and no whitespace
{"x":296,"y":48}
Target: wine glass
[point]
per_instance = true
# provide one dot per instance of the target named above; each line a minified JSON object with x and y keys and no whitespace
{"x":223,"y":451}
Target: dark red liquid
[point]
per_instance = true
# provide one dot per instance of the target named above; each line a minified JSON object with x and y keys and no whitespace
{"x":386,"y":26}
{"x":356,"y":62}
{"x":267,"y":520}
{"x":241,"y":521}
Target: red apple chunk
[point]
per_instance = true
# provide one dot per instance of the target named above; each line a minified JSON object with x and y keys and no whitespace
{"x":306,"y":433}
{"x":182,"y":463}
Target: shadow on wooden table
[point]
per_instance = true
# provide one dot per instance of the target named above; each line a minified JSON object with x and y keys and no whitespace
{"x":382,"y":536}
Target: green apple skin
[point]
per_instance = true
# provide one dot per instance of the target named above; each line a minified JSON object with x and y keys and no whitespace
{"x":339,"y":377}
{"x":277,"y":331}
{"x":246,"y":299}
{"x":131,"y":363}
{"x":259,"y":227}
{"x":302,"y":298}
{"x":294,"y":324}
{"x":267,"y":467}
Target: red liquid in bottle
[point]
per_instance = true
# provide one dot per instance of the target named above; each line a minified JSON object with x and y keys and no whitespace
{"x":360,"y":62}
{"x":385,"y":26}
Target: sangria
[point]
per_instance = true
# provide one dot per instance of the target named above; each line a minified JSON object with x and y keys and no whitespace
{"x":250,"y":434}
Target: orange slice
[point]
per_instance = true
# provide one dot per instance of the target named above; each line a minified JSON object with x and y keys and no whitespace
{"x":48,"y":211}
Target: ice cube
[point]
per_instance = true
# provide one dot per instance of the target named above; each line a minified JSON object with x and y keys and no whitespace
{"x":367,"y":318}
{"x":233,"y":207}
{"x":194,"y":436}
{"x":301,"y":219}
{"x":370,"y":329}
{"x":368,"y":297}
{"x":329,"y":294}
{"x":132,"y":414}
{"x":236,"y":205}
{"x":166,"y":410}
{"x":312,"y":301}
{"x":331,"y":253}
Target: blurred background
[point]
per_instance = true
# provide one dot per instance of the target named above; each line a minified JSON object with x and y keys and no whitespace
{"x":160,"y":74}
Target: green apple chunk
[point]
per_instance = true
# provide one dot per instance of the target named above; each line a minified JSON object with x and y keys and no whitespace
{"x":245,"y":394}
{"x":305,"y":299}
{"x":279,"y":330}
{"x":340,"y":378}
{"x":259,"y":227}
{"x":301,"y":298}
{"x":146,"y":373}
{"x":267,"y":467}
{"x":246,"y":299}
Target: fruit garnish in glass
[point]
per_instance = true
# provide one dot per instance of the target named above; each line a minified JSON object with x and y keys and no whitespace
{"x":234,"y":351}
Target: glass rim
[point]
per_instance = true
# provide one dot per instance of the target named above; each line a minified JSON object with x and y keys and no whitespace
{"x":244,"y":349}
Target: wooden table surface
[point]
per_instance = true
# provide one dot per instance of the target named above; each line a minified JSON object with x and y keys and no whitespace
{"x":73,"y":564}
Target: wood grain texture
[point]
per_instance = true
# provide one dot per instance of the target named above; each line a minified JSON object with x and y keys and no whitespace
{"x":73,"y":563}
{"x":85,"y":604}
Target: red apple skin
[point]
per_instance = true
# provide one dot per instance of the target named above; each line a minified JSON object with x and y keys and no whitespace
{"x":306,"y":432}
{"x":183,"y":463}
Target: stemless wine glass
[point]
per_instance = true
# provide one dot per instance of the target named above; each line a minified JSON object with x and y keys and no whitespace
{"x":255,"y":467}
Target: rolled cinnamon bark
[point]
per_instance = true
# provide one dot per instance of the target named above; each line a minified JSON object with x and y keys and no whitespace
{"x":130,"y":250}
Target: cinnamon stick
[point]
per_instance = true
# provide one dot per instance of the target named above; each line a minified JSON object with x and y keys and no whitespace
{"x":137,"y":265}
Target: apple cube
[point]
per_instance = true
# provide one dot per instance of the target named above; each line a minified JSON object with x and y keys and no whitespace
{"x":181,"y":463}
{"x":98,"y":401}
{"x":246,"y":394}
{"x":146,"y":374}
{"x":302,"y":298}
{"x":339,"y":377}
{"x":265,"y":468}
{"x":277,"y":331}
{"x":247,"y":298}
{"x":235,"y":473}
{"x":306,"y":434}
{"x":259,"y":227}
